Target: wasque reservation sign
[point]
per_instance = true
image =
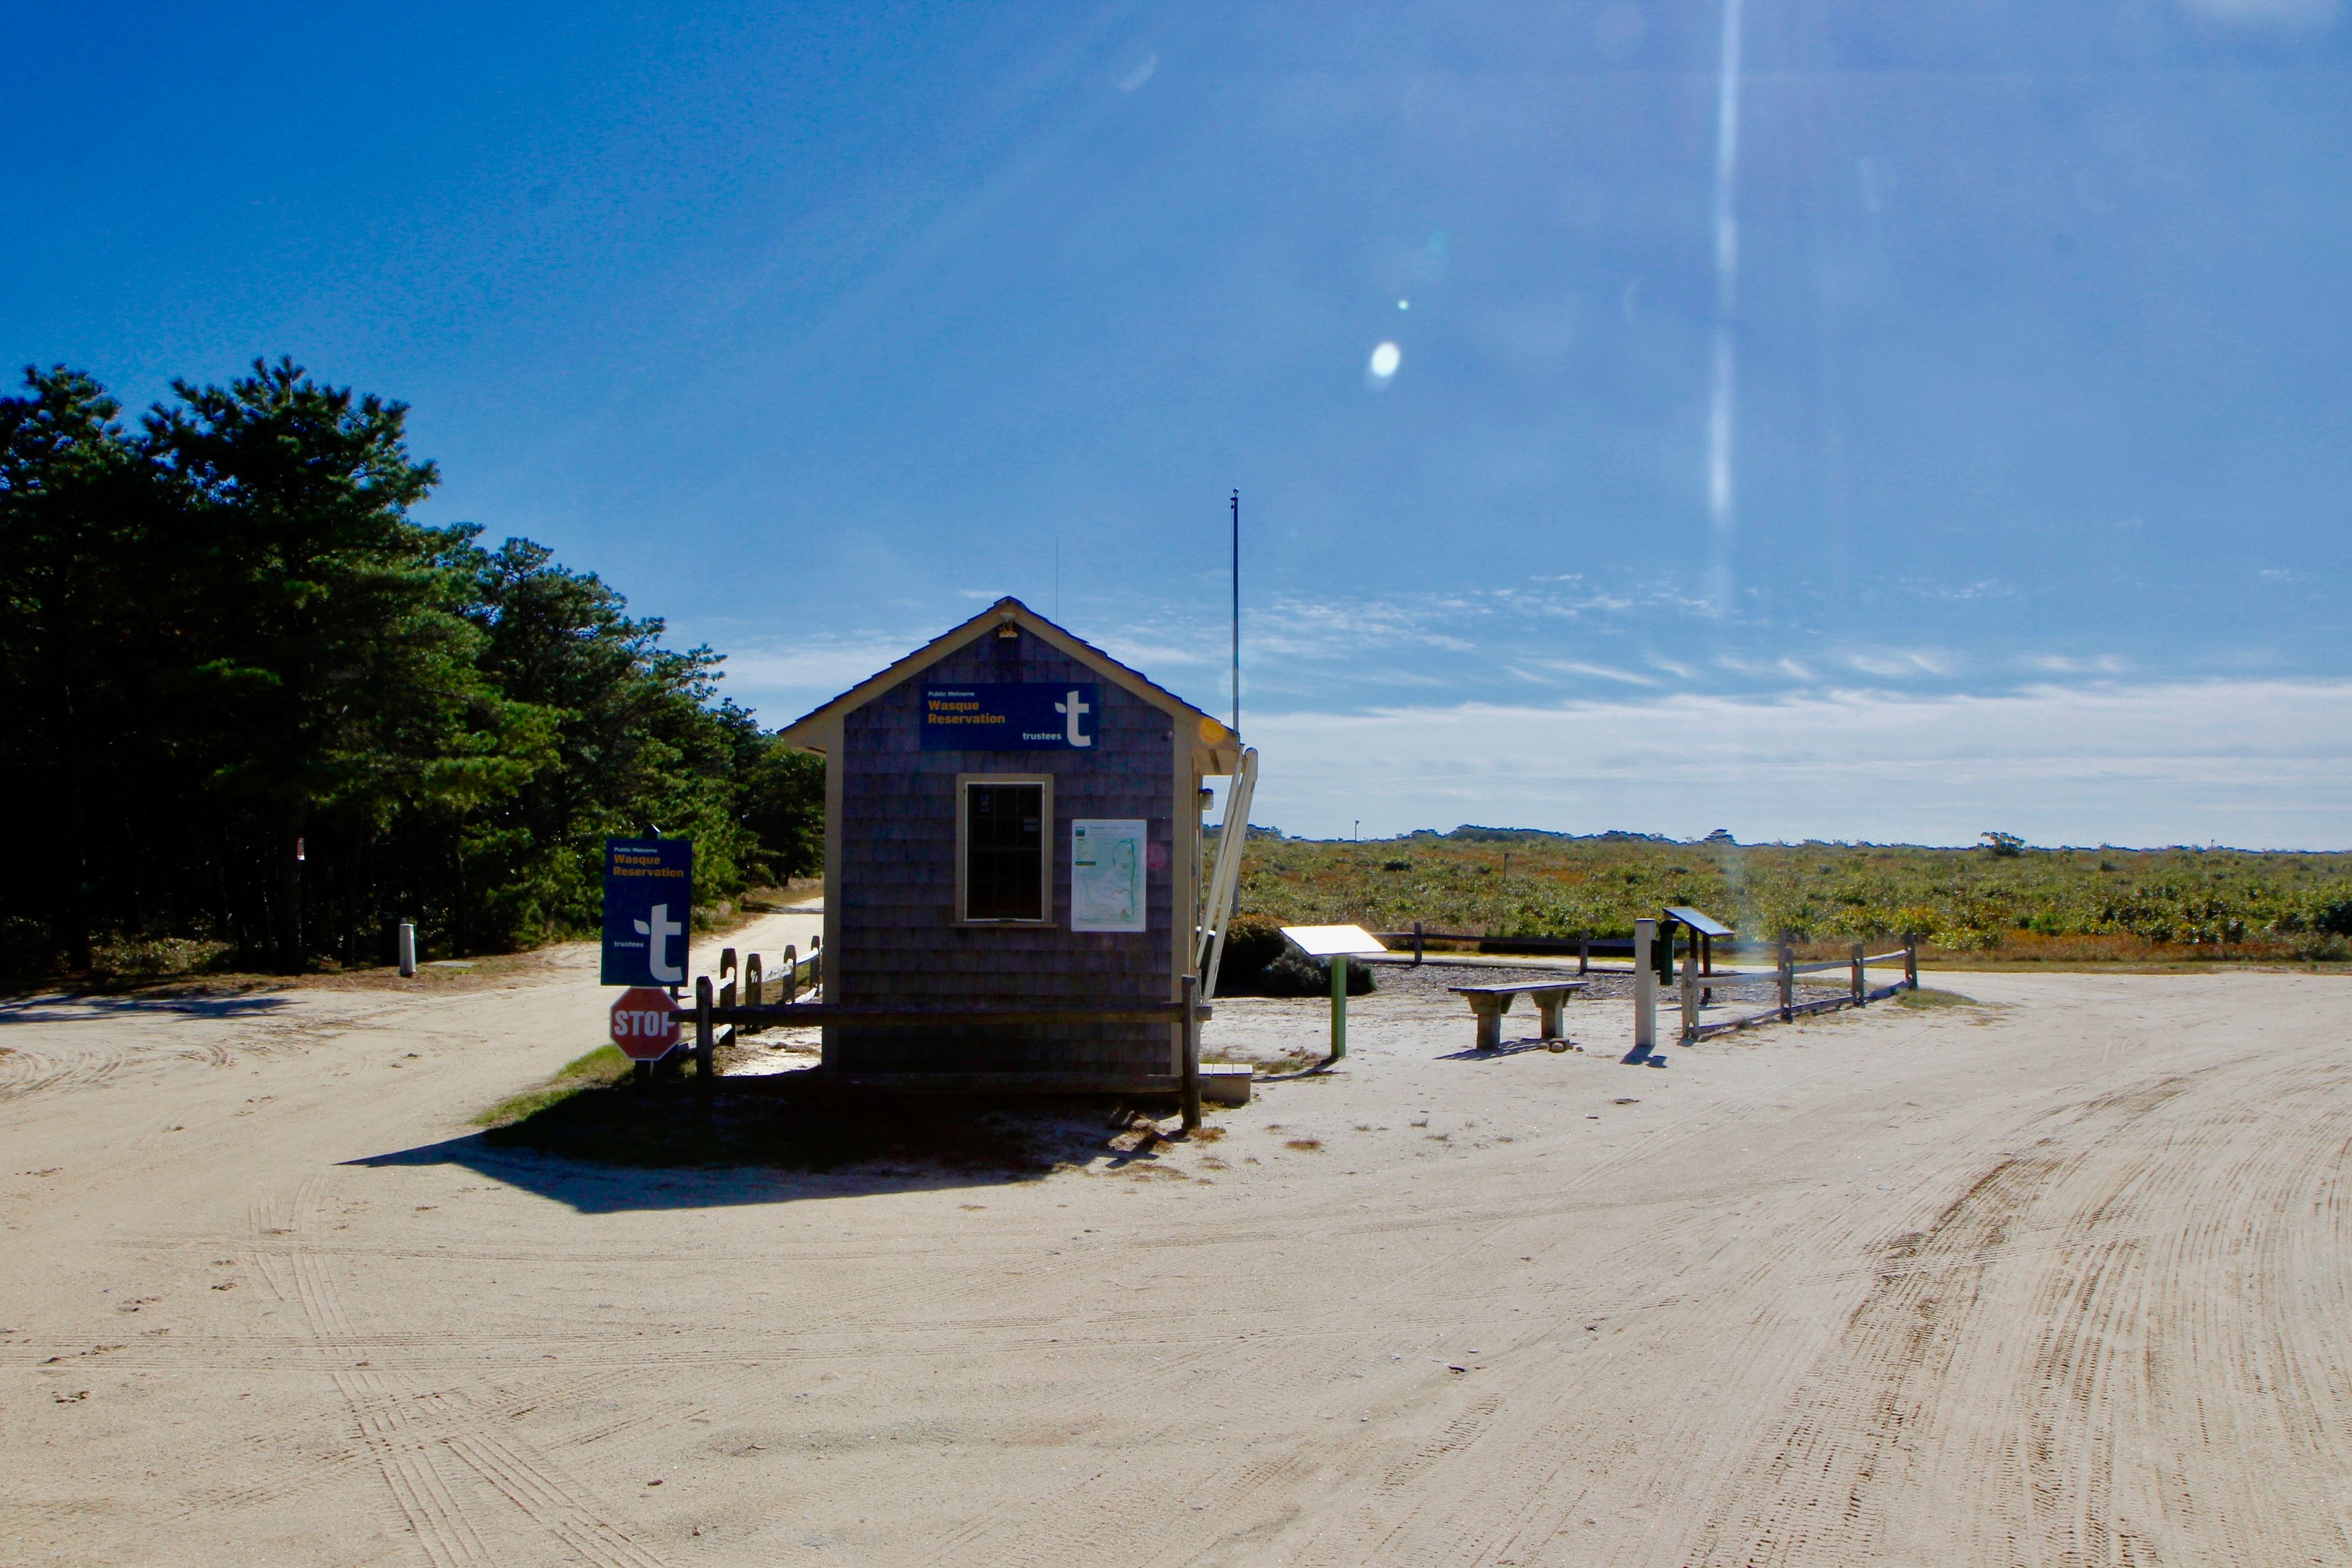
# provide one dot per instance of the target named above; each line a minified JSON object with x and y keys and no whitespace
{"x":648,"y":907}
{"x":1011,"y":716}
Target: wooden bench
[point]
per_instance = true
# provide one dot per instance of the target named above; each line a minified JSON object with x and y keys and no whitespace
{"x":1489,"y":1002}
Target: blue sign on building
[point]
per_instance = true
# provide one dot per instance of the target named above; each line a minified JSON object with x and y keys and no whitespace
{"x":648,"y":905}
{"x":1012,"y":716}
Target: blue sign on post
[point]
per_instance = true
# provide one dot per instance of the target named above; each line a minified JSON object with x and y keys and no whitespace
{"x":1012,"y":716}
{"x":648,"y":905}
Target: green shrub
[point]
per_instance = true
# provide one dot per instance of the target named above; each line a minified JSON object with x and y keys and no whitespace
{"x":1252,"y":941}
{"x":1293,"y":973}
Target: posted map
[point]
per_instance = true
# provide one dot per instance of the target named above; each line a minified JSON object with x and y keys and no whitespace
{"x":1107,"y":861}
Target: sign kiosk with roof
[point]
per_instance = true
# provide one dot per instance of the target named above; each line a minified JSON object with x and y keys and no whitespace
{"x":1011,"y":819}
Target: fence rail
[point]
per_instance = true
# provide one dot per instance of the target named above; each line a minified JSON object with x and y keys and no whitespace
{"x":1859,"y":992}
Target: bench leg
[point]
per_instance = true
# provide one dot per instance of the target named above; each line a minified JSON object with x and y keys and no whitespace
{"x":1552,"y":1027}
{"x":1490,"y":1011}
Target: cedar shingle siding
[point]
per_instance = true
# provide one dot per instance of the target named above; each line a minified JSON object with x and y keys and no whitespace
{"x":898,"y":941}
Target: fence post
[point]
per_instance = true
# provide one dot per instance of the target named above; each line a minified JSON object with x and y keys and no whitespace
{"x":702,"y":1049}
{"x":1584,"y":952}
{"x":407,"y":950}
{"x":1911,"y":964}
{"x":1416,"y":941}
{"x":755,"y":981}
{"x":1788,"y":977}
{"x":1645,"y":989}
{"x":792,"y":975}
{"x":1689,"y":990}
{"x":1858,"y":990}
{"x":1191,"y":1052}
{"x":726,"y":960}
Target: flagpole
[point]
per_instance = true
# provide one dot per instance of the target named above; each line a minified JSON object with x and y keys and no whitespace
{"x":1237,"y":611}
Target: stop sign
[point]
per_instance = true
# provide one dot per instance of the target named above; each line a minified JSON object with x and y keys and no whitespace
{"x":645,"y":1024}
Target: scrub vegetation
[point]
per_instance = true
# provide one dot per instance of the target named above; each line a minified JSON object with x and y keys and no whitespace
{"x":2002,"y":902}
{"x":257,"y":712}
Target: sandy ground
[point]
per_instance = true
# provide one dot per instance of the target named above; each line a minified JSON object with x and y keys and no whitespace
{"x":2061,"y":1281}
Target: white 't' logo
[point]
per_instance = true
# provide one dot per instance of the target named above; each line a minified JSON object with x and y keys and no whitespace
{"x":657,"y":937}
{"x":1071,"y":710}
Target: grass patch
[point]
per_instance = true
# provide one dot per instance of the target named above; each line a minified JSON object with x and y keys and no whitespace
{"x":1927,"y":998}
{"x":604,"y":1066}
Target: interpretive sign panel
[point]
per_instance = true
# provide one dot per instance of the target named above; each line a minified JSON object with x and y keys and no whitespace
{"x":1334,"y":942}
{"x":1107,"y":869}
{"x":648,"y":905}
{"x":1011,"y":716}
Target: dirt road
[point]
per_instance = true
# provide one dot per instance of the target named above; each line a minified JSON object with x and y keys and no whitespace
{"x":2060,"y":1280}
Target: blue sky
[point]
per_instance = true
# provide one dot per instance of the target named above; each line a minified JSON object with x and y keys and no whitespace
{"x":1941,"y":422}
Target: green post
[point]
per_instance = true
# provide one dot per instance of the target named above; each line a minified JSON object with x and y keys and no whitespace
{"x":1339,"y":1005}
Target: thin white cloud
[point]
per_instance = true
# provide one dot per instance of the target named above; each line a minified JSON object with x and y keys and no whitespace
{"x":2064,"y":664}
{"x":2251,"y":762}
{"x":1896,"y":663}
{"x":1784,"y":667}
{"x":1599,"y":671}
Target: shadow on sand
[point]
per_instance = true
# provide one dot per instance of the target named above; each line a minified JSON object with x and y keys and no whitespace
{"x":194,"y":1002}
{"x":608,"y":1150}
{"x":1638,"y":1056}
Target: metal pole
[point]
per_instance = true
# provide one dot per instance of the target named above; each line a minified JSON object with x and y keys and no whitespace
{"x":702,"y":1047}
{"x":1339,"y":1005}
{"x":1237,"y":615}
{"x":1645,"y":989}
{"x":1192,"y":1027}
{"x":1690,"y":990}
{"x":407,"y":949}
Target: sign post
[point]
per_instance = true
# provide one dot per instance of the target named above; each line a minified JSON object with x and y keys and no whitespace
{"x":1645,"y":989}
{"x":648,"y":910}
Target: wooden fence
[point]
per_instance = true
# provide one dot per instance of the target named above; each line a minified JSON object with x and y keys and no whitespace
{"x":1858,"y":992}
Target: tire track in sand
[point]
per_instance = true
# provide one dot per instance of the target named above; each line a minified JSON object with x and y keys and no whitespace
{"x":410,"y":1453}
{"x":2037,"y":1367}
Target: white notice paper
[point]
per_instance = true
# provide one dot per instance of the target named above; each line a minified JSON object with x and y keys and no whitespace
{"x":1106,"y":875}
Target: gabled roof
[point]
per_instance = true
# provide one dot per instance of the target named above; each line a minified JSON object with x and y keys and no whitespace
{"x":807,"y":730}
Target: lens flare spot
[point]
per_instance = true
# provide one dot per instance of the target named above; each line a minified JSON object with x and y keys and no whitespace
{"x":1404,"y":304}
{"x":1385,"y":359}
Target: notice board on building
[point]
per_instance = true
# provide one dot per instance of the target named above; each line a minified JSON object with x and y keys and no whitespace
{"x":1012,"y":716}
{"x":648,"y":910}
{"x":1107,"y":872}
